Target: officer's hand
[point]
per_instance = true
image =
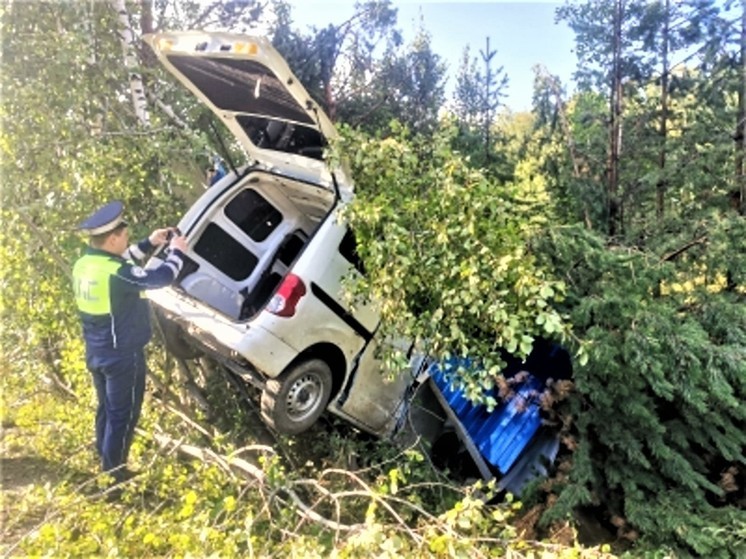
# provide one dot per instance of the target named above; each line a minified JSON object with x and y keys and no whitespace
{"x":179,"y":243}
{"x":161,"y":236}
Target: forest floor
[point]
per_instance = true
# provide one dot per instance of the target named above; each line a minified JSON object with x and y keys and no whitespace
{"x":21,"y":470}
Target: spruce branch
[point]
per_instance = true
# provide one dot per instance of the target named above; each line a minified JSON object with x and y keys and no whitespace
{"x":676,"y":253}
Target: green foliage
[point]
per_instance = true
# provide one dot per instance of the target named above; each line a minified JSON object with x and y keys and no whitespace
{"x":660,"y":360}
{"x":573,"y":159}
{"x":446,"y":251}
{"x":316,"y":54}
{"x":663,"y":317}
{"x":69,"y":142}
{"x":384,"y":79}
{"x":658,"y":407}
{"x":477,"y":96}
{"x":389,"y":504}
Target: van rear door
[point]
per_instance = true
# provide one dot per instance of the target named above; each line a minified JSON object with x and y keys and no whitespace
{"x":251,"y":89}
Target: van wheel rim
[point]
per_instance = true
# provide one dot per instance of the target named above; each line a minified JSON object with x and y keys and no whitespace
{"x":303,"y":397}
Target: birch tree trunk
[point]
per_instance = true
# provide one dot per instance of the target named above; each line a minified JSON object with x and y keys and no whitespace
{"x":131,"y":62}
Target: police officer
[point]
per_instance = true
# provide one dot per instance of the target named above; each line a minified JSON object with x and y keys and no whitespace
{"x":116,"y":323}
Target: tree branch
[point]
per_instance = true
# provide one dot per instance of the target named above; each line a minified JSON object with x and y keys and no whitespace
{"x":674,"y":254}
{"x":168,"y":111}
{"x":231,"y":463}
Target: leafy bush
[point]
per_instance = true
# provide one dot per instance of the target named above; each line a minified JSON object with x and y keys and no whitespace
{"x":446,"y":252}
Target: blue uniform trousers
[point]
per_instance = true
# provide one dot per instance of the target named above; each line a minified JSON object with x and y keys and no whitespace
{"x":120,"y":387}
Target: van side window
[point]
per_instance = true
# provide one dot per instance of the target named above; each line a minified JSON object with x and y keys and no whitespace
{"x":225,"y":253}
{"x":253,"y":214}
{"x":291,"y":247}
{"x":348,"y":249}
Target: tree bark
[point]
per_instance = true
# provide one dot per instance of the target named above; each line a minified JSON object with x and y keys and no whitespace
{"x":146,"y":18}
{"x":662,"y":183}
{"x":615,"y":140}
{"x":739,"y":195}
{"x":131,"y":62}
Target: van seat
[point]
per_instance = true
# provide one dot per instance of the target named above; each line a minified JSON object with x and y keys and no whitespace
{"x":213,"y":293}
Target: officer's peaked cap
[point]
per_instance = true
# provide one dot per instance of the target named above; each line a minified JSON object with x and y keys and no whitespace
{"x":104,"y":219}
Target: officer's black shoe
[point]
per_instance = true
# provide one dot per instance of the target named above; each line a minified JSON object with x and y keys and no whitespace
{"x":116,"y":487}
{"x":114,"y":493}
{"x":122,"y":475}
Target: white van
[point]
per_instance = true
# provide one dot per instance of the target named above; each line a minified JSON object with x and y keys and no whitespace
{"x":261,"y":288}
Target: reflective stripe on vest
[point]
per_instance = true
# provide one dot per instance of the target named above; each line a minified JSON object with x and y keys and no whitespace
{"x":91,"y":276}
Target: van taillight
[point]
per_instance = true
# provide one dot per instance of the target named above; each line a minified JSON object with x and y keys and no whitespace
{"x":286,"y":298}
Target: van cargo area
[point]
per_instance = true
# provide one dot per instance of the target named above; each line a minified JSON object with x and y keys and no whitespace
{"x":248,"y":239}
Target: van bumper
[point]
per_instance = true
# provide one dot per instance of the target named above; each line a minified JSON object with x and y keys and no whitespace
{"x":269,"y":354}
{"x":263,"y":350}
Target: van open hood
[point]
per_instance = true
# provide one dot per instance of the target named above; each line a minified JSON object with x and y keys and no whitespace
{"x":250,"y":87}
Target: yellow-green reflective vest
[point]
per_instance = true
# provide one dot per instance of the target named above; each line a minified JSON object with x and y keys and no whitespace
{"x":92,"y":282}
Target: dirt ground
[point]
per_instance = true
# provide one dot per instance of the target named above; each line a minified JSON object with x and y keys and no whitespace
{"x":20,"y":471}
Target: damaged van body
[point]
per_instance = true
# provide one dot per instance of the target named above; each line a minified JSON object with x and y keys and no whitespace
{"x":261,"y":290}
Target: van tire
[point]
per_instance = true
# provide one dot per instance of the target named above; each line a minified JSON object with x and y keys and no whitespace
{"x":292,"y":402}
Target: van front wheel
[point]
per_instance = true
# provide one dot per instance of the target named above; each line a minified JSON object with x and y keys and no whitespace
{"x":292,"y":402}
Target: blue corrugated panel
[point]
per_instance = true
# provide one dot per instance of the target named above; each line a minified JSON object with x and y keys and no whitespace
{"x":532,"y":463}
{"x":499,"y":435}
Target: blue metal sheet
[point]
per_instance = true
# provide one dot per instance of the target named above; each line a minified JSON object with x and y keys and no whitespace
{"x":500,"y":435}
{"x":533,"y":462}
